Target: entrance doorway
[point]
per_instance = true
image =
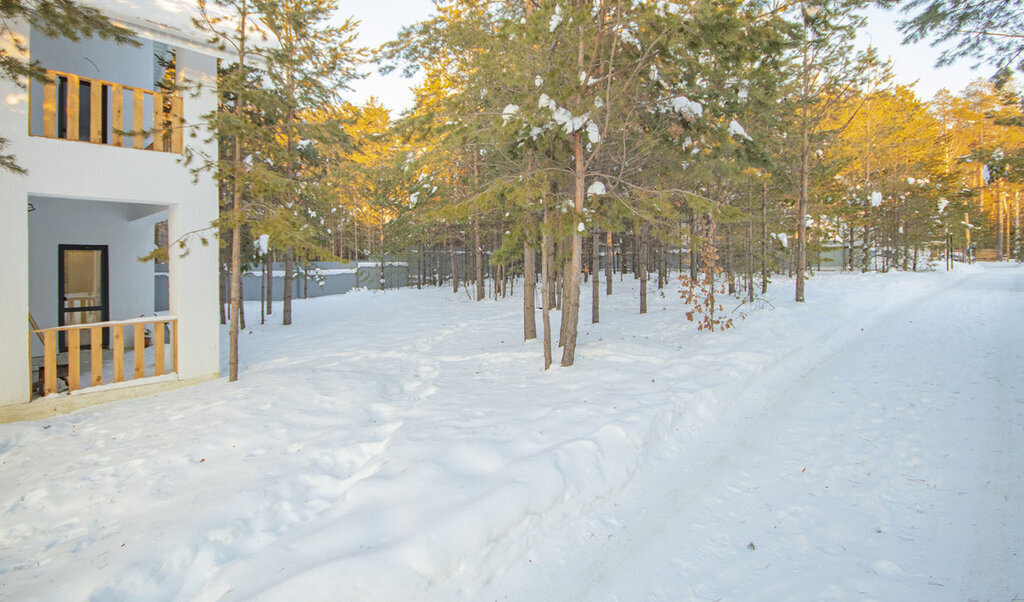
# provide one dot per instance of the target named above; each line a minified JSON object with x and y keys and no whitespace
{"x":82,"y":288}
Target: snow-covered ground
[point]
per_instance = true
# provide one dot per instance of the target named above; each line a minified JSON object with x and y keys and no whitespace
{"x":407,"y":445}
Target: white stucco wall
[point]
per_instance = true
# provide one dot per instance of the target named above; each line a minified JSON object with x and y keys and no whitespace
{"x":102,"y":59}
{"x":194,"y":288}
{"x":66,"y":172}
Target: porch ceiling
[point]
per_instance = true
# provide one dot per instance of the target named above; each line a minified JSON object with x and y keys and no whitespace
{"x":131,"y":211}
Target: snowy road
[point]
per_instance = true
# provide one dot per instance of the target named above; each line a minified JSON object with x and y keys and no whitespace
{"x":891,"y":469}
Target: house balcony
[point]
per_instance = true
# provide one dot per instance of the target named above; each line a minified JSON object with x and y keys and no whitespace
{"x":85,"y":109}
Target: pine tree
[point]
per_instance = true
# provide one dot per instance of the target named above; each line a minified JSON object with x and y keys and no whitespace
{"x":284,"y":64}
{"x":826,"y":73}
{"x":309,"y":62}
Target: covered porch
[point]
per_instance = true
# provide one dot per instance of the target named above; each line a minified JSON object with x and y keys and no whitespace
{"x":92,"y":302}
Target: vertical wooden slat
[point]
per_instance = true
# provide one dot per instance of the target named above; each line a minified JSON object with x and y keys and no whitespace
{"x":138,"y":124}
{"x":174,"y":344}
{"x":118,"y":332}
{"x":96,"y":354}
{"x":177,"y":130}
{"x":74,"y":359}
{"x":49,"y":362}
{"x":50,"y":105}
{"x":117,"y":114}
{"x":158,"y":348}
{"x":140,"y":350}
{"x":158,"y":121}
{"x":96,"y":112}
{"x":73,"y":106}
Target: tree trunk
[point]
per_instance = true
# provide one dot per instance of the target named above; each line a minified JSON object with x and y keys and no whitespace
{"x":529,"y":290}
{"x":750,"y":258}
{"x":439,"y":266}
{"x":557,"y":283}
{"x":545,"y":293}
{"x":236,"y":281}
{"x":801,"y":230}
{"x":730,"y":274}
{"x":478,"y":258}
{"x":587,"y":267}
{"x":764,"y":237}
{"x":455,"y":273}
{"x":662,"y":266}
{"x":269,"y":285}
{"x":865,"y":256}
{"x":609,"y":261}
{"x":642,"y":252}
{"x":571,"y":303}
{"x":241,"y":314}
{"x":223,"y":284}
{"x":999,"y":231}
{"x":263,"y":292}
{"x":595,"y":262}
{"x":1016,"y":226}
{"x":419,"y":266}
{"x":563,"y":331}
{"x":286,"y":300}
{"x":694,"y":248}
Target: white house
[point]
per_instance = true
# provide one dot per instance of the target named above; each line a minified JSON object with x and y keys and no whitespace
{"x":102,"y":143}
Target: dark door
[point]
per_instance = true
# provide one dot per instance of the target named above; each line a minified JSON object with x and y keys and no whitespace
{"x":82,"y":288}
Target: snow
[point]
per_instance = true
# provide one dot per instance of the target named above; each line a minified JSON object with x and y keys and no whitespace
{"x":573,"y":124}
{"x":406,"y":445}
{"x":876,"y":199}
{"x":262,"y":244}
{"x":735,"y":129}
{"x":685,"y":107}
{"x":596,"y":188}
{"x":556,"y":19}
{"x":565,"y":118}
{"x":509,"y":112}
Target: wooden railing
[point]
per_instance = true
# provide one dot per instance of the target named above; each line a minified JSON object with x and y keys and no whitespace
{"x":108,"y":113}
{"x":72,"y":369}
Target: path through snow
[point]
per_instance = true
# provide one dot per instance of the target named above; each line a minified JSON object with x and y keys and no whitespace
{"x":406,"y":445}
{"x":891,"y":469}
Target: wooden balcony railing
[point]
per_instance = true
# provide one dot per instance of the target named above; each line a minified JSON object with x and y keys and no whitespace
{"x":93,"y":110}
{"x":71,"y":368}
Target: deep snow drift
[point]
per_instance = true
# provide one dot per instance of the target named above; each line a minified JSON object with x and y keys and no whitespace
{"x":406,"y":445}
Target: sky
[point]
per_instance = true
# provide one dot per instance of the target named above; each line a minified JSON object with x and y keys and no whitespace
{"x":381,"y":20}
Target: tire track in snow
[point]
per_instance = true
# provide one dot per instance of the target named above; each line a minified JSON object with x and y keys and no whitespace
{"x":887,"y":483}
